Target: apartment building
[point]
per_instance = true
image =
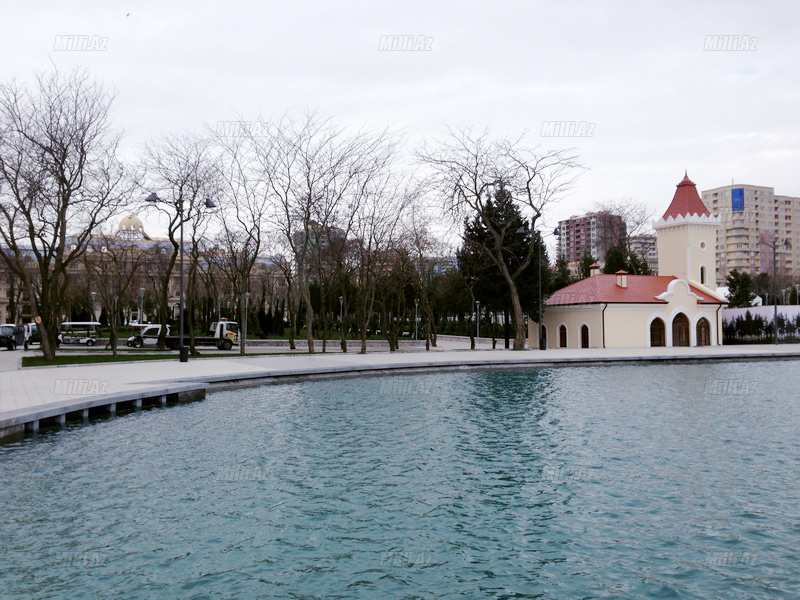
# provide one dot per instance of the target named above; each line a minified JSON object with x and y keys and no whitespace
{"x":594,"y":233}
{"x":645,"y":246}
{"x":753,"y":219}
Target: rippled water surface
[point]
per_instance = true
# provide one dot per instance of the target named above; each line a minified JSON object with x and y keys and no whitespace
{"x":607,"y":482}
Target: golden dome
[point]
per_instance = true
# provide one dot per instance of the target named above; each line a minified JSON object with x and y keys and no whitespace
{"x":131,"y":223}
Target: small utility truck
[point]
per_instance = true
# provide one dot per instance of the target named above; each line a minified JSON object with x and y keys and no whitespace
{"x":223,"y":334}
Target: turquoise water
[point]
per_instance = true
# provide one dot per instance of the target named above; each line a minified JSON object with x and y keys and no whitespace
{"x":608,"y":482}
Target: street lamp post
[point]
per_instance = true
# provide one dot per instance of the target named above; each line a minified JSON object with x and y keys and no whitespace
{"x":478,"y":317}
{"x":416,"y":317}
{"x":183,"y":352}
{"x":141,"y":305}
{"x":539,"y":317}
{"x":243,"y":343}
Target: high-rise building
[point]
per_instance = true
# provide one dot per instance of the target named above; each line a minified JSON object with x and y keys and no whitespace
{"x":753,"y":219}
{"x":646,"y":247}
{"x":594,"y":233}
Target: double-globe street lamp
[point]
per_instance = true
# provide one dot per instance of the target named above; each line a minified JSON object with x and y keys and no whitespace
{"x":183,"y":355}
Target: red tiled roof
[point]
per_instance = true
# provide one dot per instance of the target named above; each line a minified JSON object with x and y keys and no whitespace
{"x":604,"y":288}
{"x":686,"y":201}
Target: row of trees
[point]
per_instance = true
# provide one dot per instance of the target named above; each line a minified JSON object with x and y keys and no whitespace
{"x":743,"y":289}
{"x":752,"y":329}
{"x":335,"y":209}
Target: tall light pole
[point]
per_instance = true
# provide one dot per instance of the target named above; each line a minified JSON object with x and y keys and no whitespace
{"x":774,"y":245}
{"x":416,"y":317}
{"x":141,"y":305}
{"x":183,"y":352}
{"x":539,"y":317}
{"x":478,"y":317}
{"x":243,"y":341}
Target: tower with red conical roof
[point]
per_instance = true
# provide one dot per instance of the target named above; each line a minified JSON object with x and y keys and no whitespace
{"x":687,"y":238}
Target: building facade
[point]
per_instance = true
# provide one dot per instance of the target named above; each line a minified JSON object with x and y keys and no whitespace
{"x":646,"y":247}
{"x":592,"y":233}
{"x":110,"y":259}
{"x":677,"y":307}
{"x":752,"y":219}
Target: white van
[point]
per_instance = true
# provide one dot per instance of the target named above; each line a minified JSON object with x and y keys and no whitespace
{"x":148,"y":336}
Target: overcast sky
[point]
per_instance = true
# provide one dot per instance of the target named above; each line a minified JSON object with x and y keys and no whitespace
{"x":659,"y":103}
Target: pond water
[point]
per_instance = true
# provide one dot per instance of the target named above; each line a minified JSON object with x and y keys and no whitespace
{"x":667,"y":481}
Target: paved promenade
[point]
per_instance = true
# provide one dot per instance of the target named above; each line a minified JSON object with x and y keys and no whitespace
{"x":31,"y":389}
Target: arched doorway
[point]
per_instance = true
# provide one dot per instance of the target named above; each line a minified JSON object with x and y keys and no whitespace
{"x":584,"y":336}
{"x":658,"y":333}
{"x":680,"y":330}
{"x":562,"y":336}
{"x":703,"y":332}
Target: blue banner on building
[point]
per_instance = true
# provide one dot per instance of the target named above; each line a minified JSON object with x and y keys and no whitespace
{"x":737,"y":199}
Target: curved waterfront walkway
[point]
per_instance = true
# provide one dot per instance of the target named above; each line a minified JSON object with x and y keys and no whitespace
{"x":27,"y":395}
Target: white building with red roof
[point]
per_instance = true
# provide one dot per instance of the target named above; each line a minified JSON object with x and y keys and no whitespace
{"x":674,"y":308}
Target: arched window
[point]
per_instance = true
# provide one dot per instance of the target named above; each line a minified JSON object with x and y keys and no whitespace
{"x":680,"y":330}
{"x":703,"y":332}
{"x":703,"y":275}
{"x":562,"y":336}
{"x":658,"y":333}
{"x":584,"y":336}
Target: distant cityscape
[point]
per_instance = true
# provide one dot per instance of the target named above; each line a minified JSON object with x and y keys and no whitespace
{"x":755,"y":222}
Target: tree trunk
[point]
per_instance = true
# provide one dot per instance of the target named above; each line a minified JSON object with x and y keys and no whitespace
{"x":324,"y":327}
{"x":343,"y":327}
{"x":519,"y":322}
{"x":289,"y":303}
{"x":506,"y":327}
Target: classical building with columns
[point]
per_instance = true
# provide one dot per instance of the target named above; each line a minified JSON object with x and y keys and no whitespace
{"x":677,"y":307}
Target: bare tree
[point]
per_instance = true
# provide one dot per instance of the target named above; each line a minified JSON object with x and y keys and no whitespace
{"x":60,"y":180}
{"x":112,"y":267}
{"x":245,"y":204}
{"x":636,"y":218}
{"x":376,"y":229}
{"x":181,"y":170}
{"x":315,"y":172}
{"x":468,"y":167}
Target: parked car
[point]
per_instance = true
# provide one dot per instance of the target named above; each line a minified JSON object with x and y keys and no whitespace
{"x":12,"y":336}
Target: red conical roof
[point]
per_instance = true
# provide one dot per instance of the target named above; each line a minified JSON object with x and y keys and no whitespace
{"x":686,"y":201}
